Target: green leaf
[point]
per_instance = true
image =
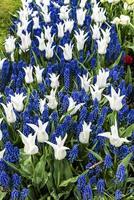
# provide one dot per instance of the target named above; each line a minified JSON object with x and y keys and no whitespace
{"x":70,"y":180}
{"x":96,"y":155}
{"x":2,"y":195}
{"x":128,"y":77}
{"x":126,"y":160}
{"x":128,"y":131}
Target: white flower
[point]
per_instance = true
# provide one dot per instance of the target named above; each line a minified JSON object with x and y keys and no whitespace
{"x":38,"y":73}
{"x":28,"y":74}
{"x":48,"y":33}
{"x":52,"y":101}
{"x":64,"y":12}
{"x":2,"y":62}
{"x":60,"y":27}
{"x":67,"y":51}
{"x":41,"y":41}
{"x":2,"y":153}
{"x":42,"y":103}
{"x":113,"y":1}
{"x":83,"y":3}
{"x":73,"y":108}
{"x":17,"y":101}
{"x":106,"y":35}
{"x":30,"y":147}
{"x":96,"y":92}
{"x":81,"y":39}
{"x":98,"y":14}
{"x":10,"y":114}
{"x":102,"y":46}
{"x":10,"y":44}
{"x":1,"y":119}
{"x":115,"y":100}
{"x":114,"y":137}
{"x":59,"y":148}
{"x":56,"y":5}
{"x":25,"y":41}
{"x":116,"y":21}
{"x":49,"y":49}
{"x":85,"y":82}
{"x":85,"y":134}
{"x":96,"y":32}
{"x":54,"y":80}
{"x":124,"y":19}
{"x":46,"y":16}
{"x":102,"y":78}
{"x":68,"y":24}
{"x":66,"y":1}
{"x":36,"y":24}
{"x":81,"y":14}
{"x":40,"y":131}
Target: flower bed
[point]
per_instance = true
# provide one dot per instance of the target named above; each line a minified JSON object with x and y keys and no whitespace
{"x":66,"y":124}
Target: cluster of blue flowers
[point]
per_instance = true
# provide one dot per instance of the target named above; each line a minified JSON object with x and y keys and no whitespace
{"x":57,"y":83}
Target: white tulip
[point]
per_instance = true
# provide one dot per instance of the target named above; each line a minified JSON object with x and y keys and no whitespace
{"x":85,"y":82}
{"x":96,"y":32}
{"x":115,"y":100}
{"x":52,"y":101}
{"x":47,"y":17}
{"x":10,"y":114}
{"x":30,"y":148}
{"x":102,"y":78}
{"x":10,"y":44}
{"x":113,"y":136}
{"x":60,"y":27}
{"x":102,"y":46}
{"x":25,"y":41}
{"x":98,"y":14}
{"x":68,"y":25}
{"x":38,"y":73}
{"x":124,"y":19}
{"x":40,"y":131}
{"x":67,"y":51}
{"x":96,"y":92}
{"x":85,"y":134}
{"x":2,"y":153}
{"x":73,"y":108}
{"x":42,"y":103}
{"x":17,"y":101}
{"x":81,"y":14}
{"x":49,"y":50}
{"x":64,"y":12}
{"x":81,"y":38}
{"x":41,"y":41}
{"x":36,"y":24}
{"x":54,"y":80}
{"x":106,"y":34}
{"x":28,"y":74}
{"x":59,"y":148}
{"x":66,"y":1}
{"x":116,"y":21}
{"x":48,"y":32}
{"x":83,"y":3}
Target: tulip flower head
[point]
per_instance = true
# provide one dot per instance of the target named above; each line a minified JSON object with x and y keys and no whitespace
{"x":73,"y":108}
{"x":40,"y":131}
{"x":96,"y":92}
{"x":81,"y":39}
{"x":10,"y":114}
{"x":28,"y":74}
{"x":54,"y":80}
{"x":17,"y":101}
{"x":85,"y":82}
{"x":115,"y":100}
{"x":59,"y":148}
{"x":85,"y":134}
{"x":102,"y":78}
{"x":52,"y":101}
{"x":38,"y":73}
{"x":2,"y":153}
{"x":30,"y":148}
{"x":67,"y":51}
{"x":113,"y":136}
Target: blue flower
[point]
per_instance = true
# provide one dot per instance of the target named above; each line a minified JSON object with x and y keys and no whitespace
{"x":81,"y":183}
{"x":4,"y":179}
{"x":24,"y":194}
{"x":87,"y":194}
{"x":120,"y":173}
{"x":108,"y":161}
{"x":100,"y":186}
{"x":73,"y":153}
{"x":14,"y":194}
{"x":11,"y":153}
{"x":118,"y":195}
{"x":16,"y":181}
{"x":67,"y":79}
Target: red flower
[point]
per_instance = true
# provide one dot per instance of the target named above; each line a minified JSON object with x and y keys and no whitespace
{"x":128,"y":60}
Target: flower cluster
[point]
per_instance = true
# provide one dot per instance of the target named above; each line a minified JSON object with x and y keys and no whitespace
{"x":65,"y":122}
